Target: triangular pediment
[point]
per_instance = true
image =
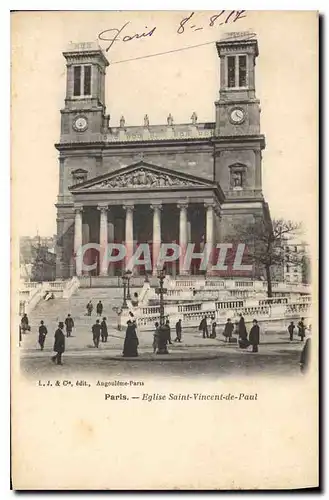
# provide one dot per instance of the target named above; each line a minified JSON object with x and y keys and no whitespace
{"x":141,"y":176}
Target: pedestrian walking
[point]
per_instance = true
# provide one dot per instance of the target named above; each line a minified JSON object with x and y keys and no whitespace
{"x":254,"y":336}
{"x":155,"y":337}
{"x":291,"y":328}
{"x":42,"y":335}
{"x":99,"y":308}
{"x":242,"y":329}
{"x":69,"y":324}
{"x":96,"y":330}
{"x":203,"y":327}
{"x":59,"y":344}
{"x":301,"y":329}
{"x":104,"y":333}
{"x":130,"y":347}
{"x":228,"y":330}
{"x":213,"y":328}
{"x":178,"y":331}
{"x":89,"y":308}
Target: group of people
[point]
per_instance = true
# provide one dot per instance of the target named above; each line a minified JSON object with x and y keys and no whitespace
{"x":301,"y":330}
{"x":90,"y":308}
{"x":233,"y":333}
{"x":131,"y":342}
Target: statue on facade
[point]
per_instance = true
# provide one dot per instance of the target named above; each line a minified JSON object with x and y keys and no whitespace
{"x":122,"y":121}
{"x":170,"y":120}
{"x":194,"y":118}
{"x":146,"y":121}
{"x":237,"y":179}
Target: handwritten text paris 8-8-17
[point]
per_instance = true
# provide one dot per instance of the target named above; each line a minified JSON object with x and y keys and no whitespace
{"x":188,"y":23}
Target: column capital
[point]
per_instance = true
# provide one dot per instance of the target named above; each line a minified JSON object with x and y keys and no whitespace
{"x":182,"y":205}
{"x":78,"y":207}
{"x":155,"y":206}
{"x":128,"y":207}
{"x":209,"y":204}
{"x":102,"y":207}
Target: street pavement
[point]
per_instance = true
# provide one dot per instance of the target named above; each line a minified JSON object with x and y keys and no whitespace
{"x":194,"y":355}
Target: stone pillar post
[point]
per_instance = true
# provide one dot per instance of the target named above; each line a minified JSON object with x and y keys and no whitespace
{"x":103,"y":263}
{"x":258,"y":169}
{"x":156,"y":235}
{"x":78,"y":239}
{"x":129,"y":232}
{"x":183,"y":236}
{"x":209,"y":230}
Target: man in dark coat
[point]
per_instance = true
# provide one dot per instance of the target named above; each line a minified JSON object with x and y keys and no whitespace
{"x":96,"y":329}
{"x":69,"y":324}
{"x":89,"y":308}
{"x":131,"y":341}
{"x":59,"y":345}
{"x":203,"y":327}
{"x":291,"y":328}
{"x":228,"y":330}
{"x":242,"y":329}
{"x":305,"y":356}
{"x":301,"y":329}
{"x":178,"y":331}
{"x":254,"y":336}
{"x":99,"y":308}
{"x":168,"y":332}
{"x":42,"y":334}
{"x":104,"y":333}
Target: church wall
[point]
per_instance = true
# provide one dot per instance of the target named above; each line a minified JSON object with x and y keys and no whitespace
{"x":230,"y":157}
{"x":70,"y":164}
{"x":193,"y":163}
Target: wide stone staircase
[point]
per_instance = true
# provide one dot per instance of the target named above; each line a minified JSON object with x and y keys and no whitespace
{"x":53,"y":311}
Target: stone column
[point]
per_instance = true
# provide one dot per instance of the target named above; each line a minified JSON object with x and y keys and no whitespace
{"x":156,"y":207}
{"x":129,"y":232}
{"x":78,"y":239}
{"x":103,"y":263}
{"x":183,"y":236}
{"x":209,"y":230}
{"x":110,"y":239}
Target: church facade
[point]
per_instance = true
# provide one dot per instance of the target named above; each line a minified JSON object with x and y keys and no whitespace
{"x":193,"y":182}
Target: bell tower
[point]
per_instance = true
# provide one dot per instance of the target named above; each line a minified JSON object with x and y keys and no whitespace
{"x":238,"y":110}
{"x":237,"y":140}
{"x":83,"y":116}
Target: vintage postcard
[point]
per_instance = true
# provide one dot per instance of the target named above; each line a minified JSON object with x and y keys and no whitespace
{"x":164,"y":323}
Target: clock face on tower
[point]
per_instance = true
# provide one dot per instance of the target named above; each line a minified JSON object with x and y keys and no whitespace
{"x":80,"y":124}
{"x":237,"y":115}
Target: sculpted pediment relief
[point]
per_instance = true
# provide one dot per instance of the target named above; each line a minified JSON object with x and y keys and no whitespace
{"x":143,"y":178}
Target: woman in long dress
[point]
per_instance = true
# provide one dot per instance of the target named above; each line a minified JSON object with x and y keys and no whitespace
{"x":131,"y":341}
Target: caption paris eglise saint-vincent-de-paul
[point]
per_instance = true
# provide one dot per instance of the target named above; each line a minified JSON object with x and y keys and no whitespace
{"x":149,"y":397}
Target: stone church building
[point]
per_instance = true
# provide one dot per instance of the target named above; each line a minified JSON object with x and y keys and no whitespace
{"x":191,"y":182}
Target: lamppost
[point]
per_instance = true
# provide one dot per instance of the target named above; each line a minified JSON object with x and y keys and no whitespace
{"x":163,"y":330}
{"x":128,"y":275}
{"x":124,"y":282}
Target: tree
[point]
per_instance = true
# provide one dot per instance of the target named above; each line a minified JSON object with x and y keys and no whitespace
{"x":265,"y":241}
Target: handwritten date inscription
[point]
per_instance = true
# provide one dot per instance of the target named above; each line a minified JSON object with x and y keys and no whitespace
{"x":113,"y":35}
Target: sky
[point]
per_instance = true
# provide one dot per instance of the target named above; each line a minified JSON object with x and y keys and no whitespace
{"x":177,"y":83}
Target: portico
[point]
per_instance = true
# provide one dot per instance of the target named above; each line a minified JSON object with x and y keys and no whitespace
{"x":144,"y":203}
